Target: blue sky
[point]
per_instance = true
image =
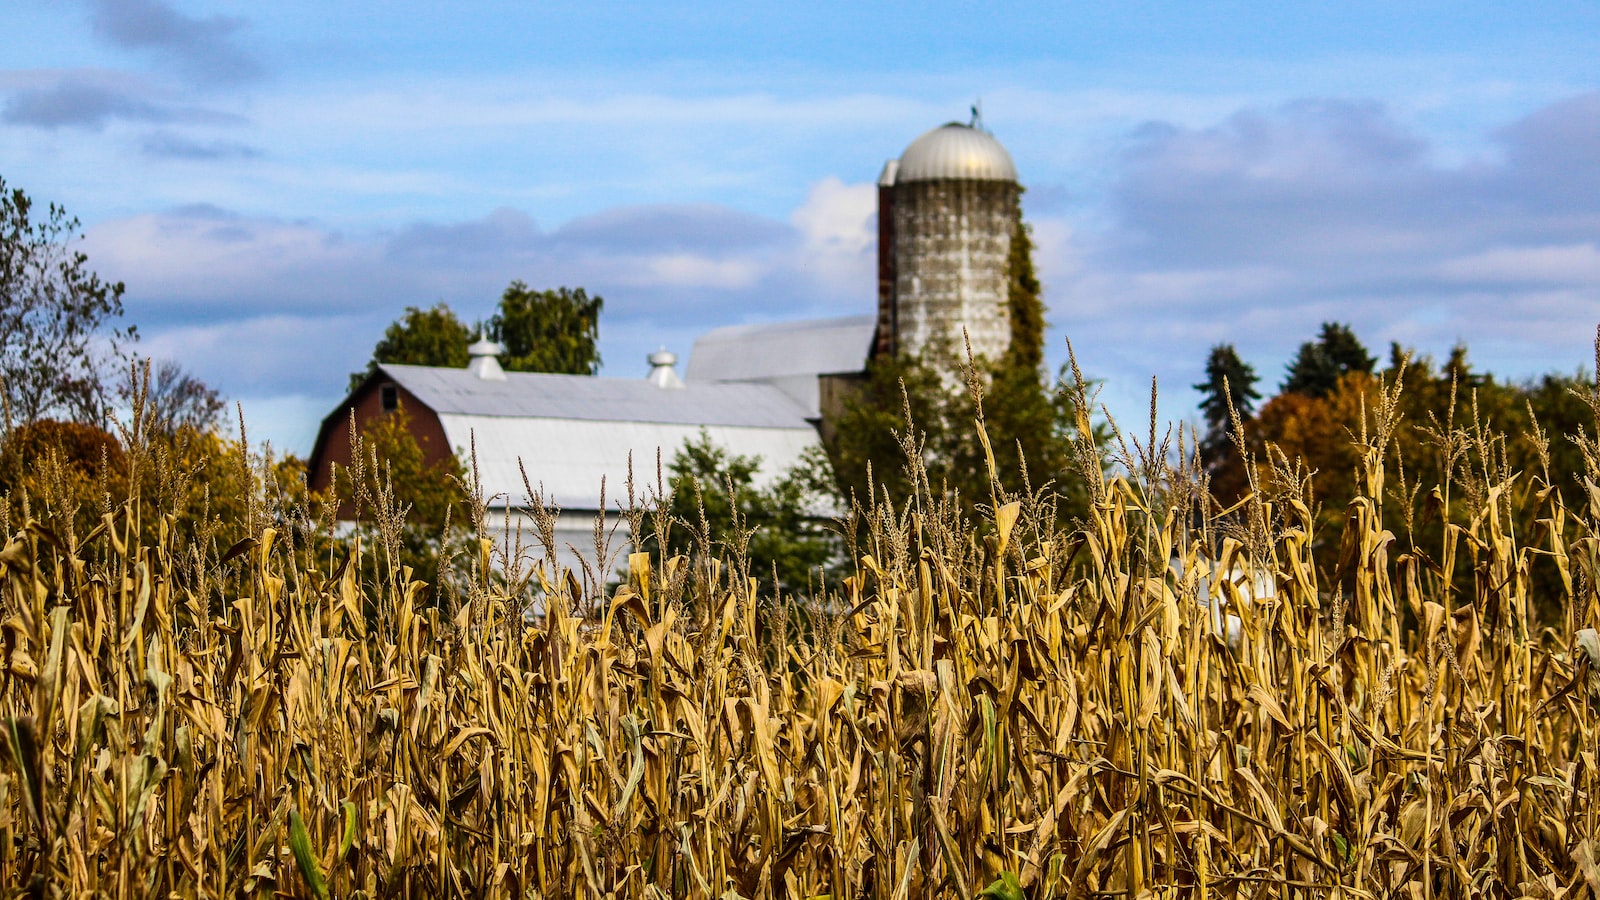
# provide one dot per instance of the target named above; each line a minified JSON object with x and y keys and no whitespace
{"x":275,"y":182}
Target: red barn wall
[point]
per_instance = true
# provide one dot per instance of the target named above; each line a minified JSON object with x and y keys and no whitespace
{"x":334,"y":444}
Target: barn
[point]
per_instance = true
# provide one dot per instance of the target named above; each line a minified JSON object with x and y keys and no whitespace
{"x":948,"y":206}
{"x":579,"y":437}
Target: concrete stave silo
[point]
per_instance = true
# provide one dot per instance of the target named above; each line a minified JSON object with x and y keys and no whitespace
{"x":947,"y":210}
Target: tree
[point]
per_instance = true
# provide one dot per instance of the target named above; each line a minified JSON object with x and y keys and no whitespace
{"x":421,"y":337}
{"x":1227,"y":378}
{"x":713,"y":487}
{"x":1029,"y":429}
{"x":1026,"y":429}
{"x":55,"y":317}
{"x":548,"y":331}
{"x":1024,"y":303}
{"x":864,"y":439}
{"x":176,"y":399}
{"x":1318,"y":366}
{"x":65,"y":469}
{"x":1225,"y":368}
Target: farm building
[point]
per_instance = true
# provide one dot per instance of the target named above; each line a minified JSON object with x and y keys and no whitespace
{"x":576,"y":435}
{"x":947,"y":208}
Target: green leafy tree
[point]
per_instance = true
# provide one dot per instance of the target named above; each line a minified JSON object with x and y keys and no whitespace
{"x":1317,"y":367}
{"x":421,"y":337}
{"x":866,"y":439}
{"x":541,"y":331}
{"x":56,"y":317}
{"x":548,"y":331}
{"x":1029,"y":427}
{"x":1026,"y":428}
{"x":776,"y":529}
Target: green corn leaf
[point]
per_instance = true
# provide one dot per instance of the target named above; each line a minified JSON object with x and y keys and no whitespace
{"x":23,"y":744}
{"x":1006,"y":887}
{"x":305,"y":857}
{"x":348,"y":840}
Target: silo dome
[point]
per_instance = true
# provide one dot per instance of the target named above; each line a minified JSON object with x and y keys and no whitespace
{"x":954,"y":151}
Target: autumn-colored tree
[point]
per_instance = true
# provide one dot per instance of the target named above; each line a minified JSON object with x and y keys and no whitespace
{"x":1459,"y":435}
{"x":199,"y":486}
{"x":1316,"y":431}
{"x":61,"y":469}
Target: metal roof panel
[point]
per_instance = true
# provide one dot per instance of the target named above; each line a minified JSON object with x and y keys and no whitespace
{"x":588,"y":398}
{"x":775,"y":350}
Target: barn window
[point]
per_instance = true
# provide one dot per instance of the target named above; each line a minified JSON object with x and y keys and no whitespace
{"x":389,"y":397}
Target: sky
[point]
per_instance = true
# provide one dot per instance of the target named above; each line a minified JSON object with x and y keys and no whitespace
{"x":275,"y":183}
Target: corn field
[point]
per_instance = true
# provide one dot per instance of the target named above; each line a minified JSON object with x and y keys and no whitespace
{"x":1162,"y":700}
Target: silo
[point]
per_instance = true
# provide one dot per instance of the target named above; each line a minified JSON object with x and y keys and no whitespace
{"x":947,"y":209}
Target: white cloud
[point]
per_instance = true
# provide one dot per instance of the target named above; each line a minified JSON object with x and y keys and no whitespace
{"x":264,"y":307}
{"x":838,"y":225}
{"x":686,"y":270}
{"x":1259,"y":227}
{"x":1576,"y":264}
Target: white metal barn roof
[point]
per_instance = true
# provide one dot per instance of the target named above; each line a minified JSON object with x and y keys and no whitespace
{"x":572,"y":431}
{"x":595,"y":398}
{"x":786,"y":355}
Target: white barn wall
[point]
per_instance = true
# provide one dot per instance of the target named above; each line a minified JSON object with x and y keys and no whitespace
{"x":568,"y":458}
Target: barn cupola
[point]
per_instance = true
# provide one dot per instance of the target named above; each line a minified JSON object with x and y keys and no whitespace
{"x":663,"y":371}
{"x":485,"y":359}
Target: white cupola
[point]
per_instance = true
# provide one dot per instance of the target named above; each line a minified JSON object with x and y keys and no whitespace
{"x":662,"y":371}
{"x":485,"y":362}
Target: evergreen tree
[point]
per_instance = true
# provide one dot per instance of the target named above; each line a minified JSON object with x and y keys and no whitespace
{"x":1227,"y":376}
{"x":1318,"y":366}
{"x":1224,"y":367}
